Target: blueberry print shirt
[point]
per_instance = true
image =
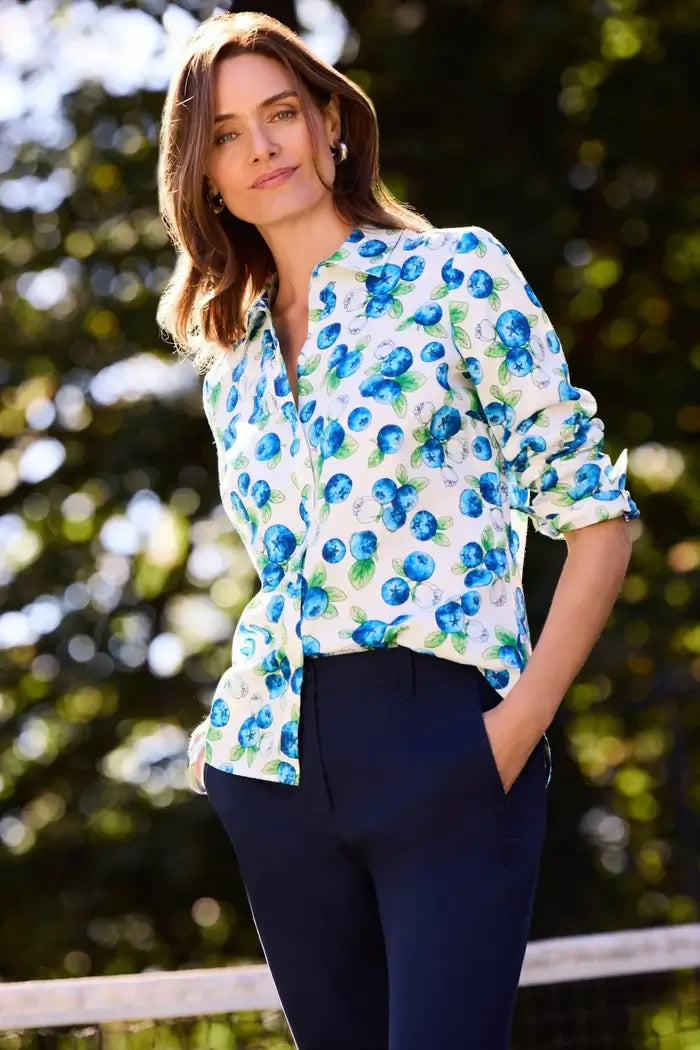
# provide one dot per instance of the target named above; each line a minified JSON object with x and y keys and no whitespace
{"x":436,"y":417}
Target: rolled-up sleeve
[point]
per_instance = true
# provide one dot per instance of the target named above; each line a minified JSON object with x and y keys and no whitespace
{"x":546,"y":427}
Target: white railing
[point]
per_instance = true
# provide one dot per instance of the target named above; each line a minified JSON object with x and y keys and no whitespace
{"x":190,"y":993}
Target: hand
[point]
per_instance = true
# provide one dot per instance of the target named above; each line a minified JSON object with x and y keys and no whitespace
{"x":511,"y":745}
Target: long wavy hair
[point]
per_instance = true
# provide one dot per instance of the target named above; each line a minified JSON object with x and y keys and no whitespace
{"x":223,"y":262}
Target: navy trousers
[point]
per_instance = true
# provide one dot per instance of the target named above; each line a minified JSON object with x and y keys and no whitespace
{"x":392,"y":890}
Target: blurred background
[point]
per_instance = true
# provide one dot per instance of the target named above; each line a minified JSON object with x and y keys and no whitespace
{"x":568,"y":129}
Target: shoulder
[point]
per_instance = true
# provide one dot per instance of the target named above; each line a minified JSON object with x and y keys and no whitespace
{"x":442,"y":242}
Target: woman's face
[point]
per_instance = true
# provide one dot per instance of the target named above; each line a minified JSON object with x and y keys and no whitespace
{"x":256,"y":133}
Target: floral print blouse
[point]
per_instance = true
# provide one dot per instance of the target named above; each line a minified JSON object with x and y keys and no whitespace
{"x":435,"y":418}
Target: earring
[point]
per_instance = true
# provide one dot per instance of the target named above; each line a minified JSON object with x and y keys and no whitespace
{"x":339,"y":152}
{"x":216,"y":203}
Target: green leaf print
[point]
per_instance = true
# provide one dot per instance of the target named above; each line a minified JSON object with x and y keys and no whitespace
{"x":435,"y":639}
{"x":400,"y":406}
{"x":272,"y":767}
{"x":215,"y":394}
{"x":311,"y":365}
{"x":274,"y":461}
{"x":213,"y":733}
{"x":315,"y":315}
{"x":251,"y":752}
{"x":397,"y":565}
{"x":411,"y":381}
{"x":487,"y":538}
{"x":304,"y":386}
{"x":375,"y":458}
{"x":494,"y":301}
{"x":401,"y":474}
{"x":492,"y":653}
{"x":513,"y":397}
{"x":294,"y":714}
{"x":330,"y":613}
{"x":416,"y":456}
{"x":480,"y":249}
{"x":403,"y":288}
{"x":495,"y":350}
{"x":332,"y":380}
{"x":362,"y":343}
{"x":359,"y":615}
{"x":439,"y":291}
{"x":348,"y":448}
{"x":266,"y":512}
{"x":461,"y":338}
{"x":240,"y":462}
{"x":472,"y":481}
{"x":420,"y":434}
{"x":541,"y":420}
{"x":505,"y":637}
{"x":208,"y":753}
{"x":458,"y":311}
{"x":361,"y":573}
{"x":237,"y":753}
{"x":459,"y":642}
{"x":532,"y":320}
{"x":445,"y":523}
{"x":442,"y":540}
{"x":503,"y":373}
{"x":276,"y":496}
{"x":406,"y":323}
{"x":361,"y":277}
{"x":318,"y":577}
{"x":435,"y":329}
{"x":418,"y":483}
{"x":500,"y":283}
{"x":459,"y":568}
{"x":335,"y":594}
{"x":396,"y":308}
{"x":325,"y":511}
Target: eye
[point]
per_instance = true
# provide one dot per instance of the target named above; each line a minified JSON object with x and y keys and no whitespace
{"x":227,"y":136}
{"x":221,"y":139}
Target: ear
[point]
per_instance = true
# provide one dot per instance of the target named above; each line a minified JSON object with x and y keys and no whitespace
{"x":332,"y":123}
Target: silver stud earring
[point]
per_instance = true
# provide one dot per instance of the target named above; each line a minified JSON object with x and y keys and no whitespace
{"x":339,"y":152}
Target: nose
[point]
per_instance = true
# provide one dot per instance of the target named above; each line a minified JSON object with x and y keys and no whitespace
{"x":262,"y":144}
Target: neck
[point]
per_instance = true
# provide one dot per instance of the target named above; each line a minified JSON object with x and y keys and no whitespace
{"x":297,"y":244}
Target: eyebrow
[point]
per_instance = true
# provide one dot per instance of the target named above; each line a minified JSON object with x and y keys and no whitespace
{"x":267,"y":102}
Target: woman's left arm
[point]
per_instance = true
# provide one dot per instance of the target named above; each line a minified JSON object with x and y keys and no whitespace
{"x":558,"y":474}
{"x":590,"y":581}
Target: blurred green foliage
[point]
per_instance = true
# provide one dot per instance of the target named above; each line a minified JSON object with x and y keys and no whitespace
{"x":571,"y":128}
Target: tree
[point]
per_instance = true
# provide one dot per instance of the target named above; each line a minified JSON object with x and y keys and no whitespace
{"x":562,"y":129}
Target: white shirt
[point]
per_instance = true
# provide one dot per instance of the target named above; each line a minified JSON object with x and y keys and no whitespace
{"x":436,"y":417}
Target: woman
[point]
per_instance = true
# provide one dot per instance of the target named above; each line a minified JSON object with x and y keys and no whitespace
{"x":390,"y":406}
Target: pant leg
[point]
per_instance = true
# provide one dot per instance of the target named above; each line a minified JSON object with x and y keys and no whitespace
{"x":313,"y":904}
{"x":453,"y":858}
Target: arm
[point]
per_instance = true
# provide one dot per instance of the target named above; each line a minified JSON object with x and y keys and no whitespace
{"x":587,"y":589}
{"x":551,"y":446}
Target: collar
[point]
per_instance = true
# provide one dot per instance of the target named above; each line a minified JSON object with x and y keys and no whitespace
{"x":356,"y":253}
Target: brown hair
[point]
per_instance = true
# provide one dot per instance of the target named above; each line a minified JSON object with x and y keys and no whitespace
{"x":223,"y":262}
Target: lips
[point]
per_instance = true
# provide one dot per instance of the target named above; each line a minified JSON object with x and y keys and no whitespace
{"x":273,"y":177}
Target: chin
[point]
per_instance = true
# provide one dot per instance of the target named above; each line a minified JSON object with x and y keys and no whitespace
{"x":287,"y":209}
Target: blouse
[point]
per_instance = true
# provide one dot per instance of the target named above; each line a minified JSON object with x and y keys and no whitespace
{"x":436,"y":416}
